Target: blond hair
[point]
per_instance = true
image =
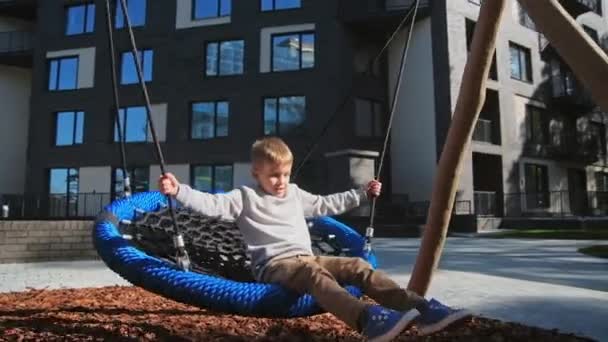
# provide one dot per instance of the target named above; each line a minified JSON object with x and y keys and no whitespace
{"x":270,"y":149}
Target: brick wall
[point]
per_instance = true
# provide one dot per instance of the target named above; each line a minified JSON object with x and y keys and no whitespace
{"x":27,"y":241}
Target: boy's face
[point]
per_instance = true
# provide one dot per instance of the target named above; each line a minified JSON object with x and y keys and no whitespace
{"x":273,"y":177}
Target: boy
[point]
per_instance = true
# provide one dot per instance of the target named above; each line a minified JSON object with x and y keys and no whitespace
{"x":272,"y":216}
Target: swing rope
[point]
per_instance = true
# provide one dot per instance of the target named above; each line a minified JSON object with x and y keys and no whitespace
{"x":183,"y":260}
{"x":369,"y":232}
{"x":119,"y":126}
{"x":349,"y":95}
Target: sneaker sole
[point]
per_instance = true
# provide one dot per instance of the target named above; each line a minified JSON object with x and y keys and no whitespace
{"x":433,"y":328}
{"x":403,"y":323}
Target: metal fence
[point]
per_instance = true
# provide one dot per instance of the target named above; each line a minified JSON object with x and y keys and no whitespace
{"x":541,"y":204}
{"x":65,"y":206}
{"x":485,"y":203}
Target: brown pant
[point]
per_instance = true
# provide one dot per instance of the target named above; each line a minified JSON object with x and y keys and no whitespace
{"x":320,"y":276}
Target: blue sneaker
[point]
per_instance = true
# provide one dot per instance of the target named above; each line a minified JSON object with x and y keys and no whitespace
{"x":438,"y":316}
{"x":384,"y":324}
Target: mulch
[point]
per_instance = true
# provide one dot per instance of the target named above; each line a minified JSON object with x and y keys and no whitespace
{"x":120,"y":313}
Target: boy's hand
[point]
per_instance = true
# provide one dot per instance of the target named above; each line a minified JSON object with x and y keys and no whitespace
{"x":168,"y":184}
{"x":373,"y":189}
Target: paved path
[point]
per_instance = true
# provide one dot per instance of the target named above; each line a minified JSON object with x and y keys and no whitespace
{"x":543,"y":283}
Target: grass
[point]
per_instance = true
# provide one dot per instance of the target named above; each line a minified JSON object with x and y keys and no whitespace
{"x":600,"y":251}
{"x":560,"y":234}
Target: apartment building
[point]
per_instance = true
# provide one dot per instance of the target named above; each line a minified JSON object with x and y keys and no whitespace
{"x":222,"y":73}
{"x":539,"y":147}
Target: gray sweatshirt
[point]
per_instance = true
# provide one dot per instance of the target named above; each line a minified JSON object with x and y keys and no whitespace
{"x":273,"y":227}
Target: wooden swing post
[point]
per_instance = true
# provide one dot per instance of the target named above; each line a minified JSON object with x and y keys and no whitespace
{"x":469,"y":104}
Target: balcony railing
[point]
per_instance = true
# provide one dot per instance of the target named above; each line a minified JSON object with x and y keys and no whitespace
{"x":571,"y":147}
{"x":556,"y":204}
{"x":15,"y":42}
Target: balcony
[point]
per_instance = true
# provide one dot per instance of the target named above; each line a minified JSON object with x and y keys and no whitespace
{"x":568,"y":93}
{"x":16,"y":48}
{"x":570,"y":148}
{"x":378,"y":12}
{"x":22,"y":9}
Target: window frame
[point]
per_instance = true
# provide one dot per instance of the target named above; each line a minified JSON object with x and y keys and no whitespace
{"x":372,"y":118}
{"x":531,"y":134}
{"x":71,"y":198}
{"x":87,"y":6}
{"x":115,"y":138}
{"x":213,"y":167}
{"x":123,"y":20}
{"x":57,"y":78}
{"x":142,"y":53}
{"x":277,"y":130}
{"x":193,"y":16}
{"x":300,"y":34}
{"x":75,"y":129}
{"x":470,"y":25}
{"x":527,"y":53}
{"x":131,"y":171}
{"x":541,"y":197}
{"x":215,"y":120}
{"x":219,"y":58}
{"x":524,"y":19}
{"x":274,"y":7}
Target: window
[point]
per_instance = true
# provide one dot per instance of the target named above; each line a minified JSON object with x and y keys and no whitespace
{"x":601,"y":181}
{"x":69,"y":128}
{"x":273,"y":5}
{"x":592,"y":34}
{"x":209,"y":120}
{"x":63,"y":192}
{"x":470,"y":30}
{"x":293,"y":51}
{"x":214,"y":179}
{"x":136,"y":11}
{"x":205,"y":9}
{"x":129,"y":67}
{"x":524,"y":18}
{"x":139,"y":178}
{"x":369,"y":119}
{"x":284,"y":115}
{"x":80,"y":19}
{"x":601,"y":191}
{"x":537,"y":125}
{"x":225,"y":58}
{"x":63,"y":73}
{"x":598,"y":137}
{"x":537,"y":181}
{"x":521,"y":65}
{"x":134,"y":123}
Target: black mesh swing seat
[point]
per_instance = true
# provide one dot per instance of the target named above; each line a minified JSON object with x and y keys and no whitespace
{"x":140,"y":249}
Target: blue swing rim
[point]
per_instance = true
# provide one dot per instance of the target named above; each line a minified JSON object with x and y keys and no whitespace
{"x":204,"y":290}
